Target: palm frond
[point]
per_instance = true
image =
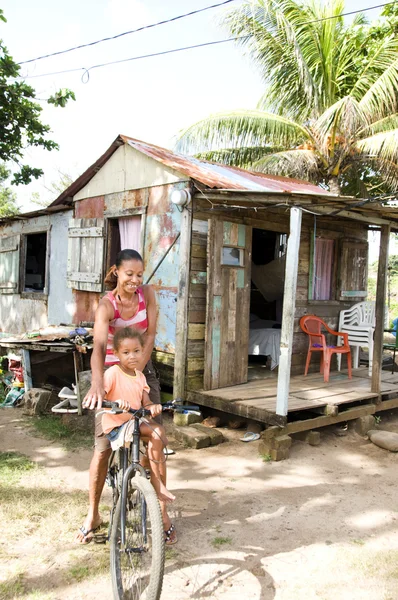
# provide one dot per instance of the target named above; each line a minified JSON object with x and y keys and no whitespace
{"x":241,"y":128}
{"x":339,"y":124}
{"x":386,"y":124}
{"x":383,"y":146}
{"x":302,"y":164}
{"x":381,"y":98}
{"x":243,"y":157}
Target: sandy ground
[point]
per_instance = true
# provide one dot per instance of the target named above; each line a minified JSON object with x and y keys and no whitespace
{"x":321,"y":525}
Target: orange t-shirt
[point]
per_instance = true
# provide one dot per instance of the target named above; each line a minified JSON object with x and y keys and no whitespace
{"x":120,"y":386}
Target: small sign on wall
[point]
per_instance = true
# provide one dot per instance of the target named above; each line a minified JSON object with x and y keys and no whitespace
{"x":353,"y":294}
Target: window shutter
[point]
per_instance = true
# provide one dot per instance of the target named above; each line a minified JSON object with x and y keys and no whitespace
{"x":353,"y":270}
{"x":85,"y":254}
{"x":9,"y":264}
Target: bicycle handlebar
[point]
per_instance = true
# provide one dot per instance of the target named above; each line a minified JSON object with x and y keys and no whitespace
{"x":144,"y":412}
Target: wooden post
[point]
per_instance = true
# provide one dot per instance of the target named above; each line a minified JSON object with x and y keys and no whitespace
{"x":380,"y":309}
{"x":78,"y":365}
{"x":180,"y":357}
{"x":27,"y":370}
{"x":289,"y":305}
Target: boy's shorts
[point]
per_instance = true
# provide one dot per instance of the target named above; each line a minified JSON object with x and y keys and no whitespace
{"x":101,"y":442}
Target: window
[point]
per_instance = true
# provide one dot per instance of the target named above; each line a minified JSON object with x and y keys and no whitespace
{"x":232,"y":257}
{"x":321,"y":284}
{"x":34,"y":276}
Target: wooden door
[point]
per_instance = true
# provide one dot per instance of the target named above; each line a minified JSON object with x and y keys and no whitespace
{"x":229,"y":250}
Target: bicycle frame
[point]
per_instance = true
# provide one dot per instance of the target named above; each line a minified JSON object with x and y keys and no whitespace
{"x":126,"y":470}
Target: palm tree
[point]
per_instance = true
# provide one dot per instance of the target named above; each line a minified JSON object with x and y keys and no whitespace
{"x":329,"y":111}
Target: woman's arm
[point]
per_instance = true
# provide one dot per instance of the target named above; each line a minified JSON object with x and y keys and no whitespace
{"x":96,"y":393}
{"x":151,"y":311}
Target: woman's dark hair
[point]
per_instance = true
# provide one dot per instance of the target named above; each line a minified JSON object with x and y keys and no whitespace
{"x":127,"y":333}
{"x":127,"y":254}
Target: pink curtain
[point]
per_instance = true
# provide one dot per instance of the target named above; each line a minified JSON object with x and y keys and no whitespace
{"x":323,"y":269}
{"x":130,"y":233}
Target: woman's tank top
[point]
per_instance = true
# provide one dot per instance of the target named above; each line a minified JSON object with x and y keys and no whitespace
{"x":138,"y":321}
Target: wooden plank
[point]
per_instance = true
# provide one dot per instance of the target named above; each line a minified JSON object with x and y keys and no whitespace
{"x":197,"y":290}
{"x":196,"y":331}
{"x":196,"y":348}
{"x":198,"y":277}
{"x":198,"y":264}
{"x":208,"y":365}
{"x":84,"y":277}
{"x":249,"y":412}
{"x":380,"y":308}
{"x":86,"y":232}
{"x":198,"y":251}
{"x":289,"y":300}
{"x":387,"y":404}
{"x":196,"y":316}
{"x":195,"y":364}
{"x":27,"y":370}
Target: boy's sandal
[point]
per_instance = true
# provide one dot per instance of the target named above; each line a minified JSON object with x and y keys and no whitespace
{"x":87,"y":538}
{"x":169,"y":538}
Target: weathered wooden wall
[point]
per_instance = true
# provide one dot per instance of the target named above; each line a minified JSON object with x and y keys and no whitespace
{"x":20,"y":312}
{"x":273,"y":220}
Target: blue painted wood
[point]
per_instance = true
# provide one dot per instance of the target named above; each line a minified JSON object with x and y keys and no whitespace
{"x":216,"y":338}
{"x":240,"y":278}
{"x":241,"y":235}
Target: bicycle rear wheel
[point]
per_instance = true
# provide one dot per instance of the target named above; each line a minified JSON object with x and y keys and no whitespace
{"x":137,"y":569}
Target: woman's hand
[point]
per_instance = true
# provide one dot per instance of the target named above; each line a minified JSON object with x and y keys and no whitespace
{"x":123,"y":404}
{"x":155,"y":409}
{"x":94,"y":396}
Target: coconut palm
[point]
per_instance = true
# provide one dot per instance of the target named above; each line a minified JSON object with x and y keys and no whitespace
{"x":329,"y":113}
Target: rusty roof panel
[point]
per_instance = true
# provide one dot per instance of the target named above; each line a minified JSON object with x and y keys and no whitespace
{"x":222,"y":177}
{"x":211,"y":174}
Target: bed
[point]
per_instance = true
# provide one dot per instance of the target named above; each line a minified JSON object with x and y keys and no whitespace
{"x":265,"y":339}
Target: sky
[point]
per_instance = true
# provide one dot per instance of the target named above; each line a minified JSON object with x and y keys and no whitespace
{"x":151,"y":99}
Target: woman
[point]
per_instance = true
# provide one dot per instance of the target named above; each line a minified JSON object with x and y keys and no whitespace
{"x":129,"y":304}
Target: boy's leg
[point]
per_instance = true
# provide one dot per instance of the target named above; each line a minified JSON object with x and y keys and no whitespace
{"x":155,"y":436}
{"x":97,"y":476}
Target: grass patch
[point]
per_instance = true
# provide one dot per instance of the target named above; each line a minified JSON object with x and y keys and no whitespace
{"x":79,"y":572}
{"x":52,"y":428}
{"x":217,"y":542}
{"x":170,"y":553}
{"x":12,"y":467}
{"x":12,"y":588}
{"x":266,"y":457}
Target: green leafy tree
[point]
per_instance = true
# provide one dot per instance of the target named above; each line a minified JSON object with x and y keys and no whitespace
{"x":20,"y":124}
{"x":329,"y":111}
{"x":8,"y":204}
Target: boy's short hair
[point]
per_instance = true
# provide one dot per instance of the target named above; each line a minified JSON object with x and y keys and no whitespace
{"x":127,"y":333}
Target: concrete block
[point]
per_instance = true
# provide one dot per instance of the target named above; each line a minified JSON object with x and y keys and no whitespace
{"x":183,"y":419}
{"x":216,"y":437}
{"x":363,"y":424}
{"x":36,"y":401}
{"x":192,"y":438}
{"x":313,"y":438}
{"x":277,"y":447}
{"x":280,"y":454}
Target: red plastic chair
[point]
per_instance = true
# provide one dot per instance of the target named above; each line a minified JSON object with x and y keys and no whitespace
{"x":312,"y":326}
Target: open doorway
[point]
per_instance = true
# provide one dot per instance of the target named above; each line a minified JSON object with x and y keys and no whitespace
{"x":266,"y":301}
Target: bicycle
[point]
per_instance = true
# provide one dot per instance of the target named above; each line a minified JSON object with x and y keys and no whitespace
{"x":136,"y":535}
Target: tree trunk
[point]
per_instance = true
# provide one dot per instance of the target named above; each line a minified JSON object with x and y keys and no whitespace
{"x":334,"y":186}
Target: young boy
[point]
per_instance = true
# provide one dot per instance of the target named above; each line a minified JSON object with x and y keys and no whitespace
{"x":128,"y":387}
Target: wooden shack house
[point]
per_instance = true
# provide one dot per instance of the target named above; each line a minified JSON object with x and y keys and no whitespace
{"x":236,"y":258}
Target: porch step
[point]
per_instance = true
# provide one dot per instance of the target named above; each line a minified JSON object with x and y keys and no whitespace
{"x":198,"y":436}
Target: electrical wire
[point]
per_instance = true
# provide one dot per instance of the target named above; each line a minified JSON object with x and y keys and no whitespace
{"x":114,"y":37}
{"x":86,"y":72}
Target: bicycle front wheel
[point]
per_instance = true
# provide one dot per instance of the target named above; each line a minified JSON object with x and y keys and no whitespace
{"x":137,"y":568}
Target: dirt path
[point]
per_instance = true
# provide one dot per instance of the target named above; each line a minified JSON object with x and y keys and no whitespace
{"x":322,"y":525}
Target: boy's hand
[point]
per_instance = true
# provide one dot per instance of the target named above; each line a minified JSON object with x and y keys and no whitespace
{"x":155,"y":409}
{"x":123,"y":404}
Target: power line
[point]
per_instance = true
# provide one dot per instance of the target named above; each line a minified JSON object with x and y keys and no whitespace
{"x":114,"y":37}
{"x":86,"y":72}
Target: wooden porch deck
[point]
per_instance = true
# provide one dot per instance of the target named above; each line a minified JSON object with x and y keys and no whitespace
{"x":257,"y":399}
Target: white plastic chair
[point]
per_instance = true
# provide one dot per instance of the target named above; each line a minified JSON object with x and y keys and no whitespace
{"x":359,"y":322}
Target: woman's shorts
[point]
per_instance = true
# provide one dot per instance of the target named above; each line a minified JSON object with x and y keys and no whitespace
{"x":101,"y":442}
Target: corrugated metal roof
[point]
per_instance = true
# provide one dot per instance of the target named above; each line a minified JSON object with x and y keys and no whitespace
{"x":211,"y":174}
{"x":222,"y":177}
